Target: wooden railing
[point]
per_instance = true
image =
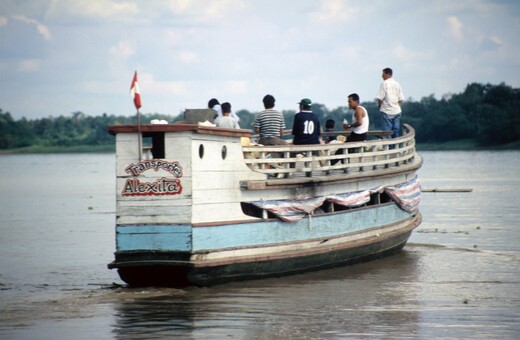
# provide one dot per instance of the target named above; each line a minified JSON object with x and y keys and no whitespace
{"x":282,"y":161}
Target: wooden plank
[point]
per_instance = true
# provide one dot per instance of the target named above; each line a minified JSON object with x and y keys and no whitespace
{"x":155,"y":238}
{"x":161,"y":215}
{"x":209,"y":195}
{"x":145,"y":128}
{"x":309,"y":163}
{"x":448,"y":190}
{"x":218,"y":212}
{"x":279,"y":232}
{"x":146,"y":201}
{"x":219,"y":156}
{"x":151,"y":210}
{"x":336,"y":177}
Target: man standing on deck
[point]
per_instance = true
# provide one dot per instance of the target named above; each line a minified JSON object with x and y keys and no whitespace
{"x":270,"y":124}
{"x":389,"y":100}
{"x":360,"y":120}
{"x":306,"y":126}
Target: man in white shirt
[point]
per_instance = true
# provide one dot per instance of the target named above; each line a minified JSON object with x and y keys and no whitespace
{"x":360,"y":120}
{"x":226,"y":121}
{"x":389,"y":100}
{"x":215,"y":105}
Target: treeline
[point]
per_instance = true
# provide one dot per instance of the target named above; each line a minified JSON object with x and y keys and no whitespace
{"x":489,"y":114}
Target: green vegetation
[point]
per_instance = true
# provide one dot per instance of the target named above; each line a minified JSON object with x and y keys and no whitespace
{"x":481,"y":117}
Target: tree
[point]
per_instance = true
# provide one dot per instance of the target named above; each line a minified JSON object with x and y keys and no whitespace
{"x":485,"y":112}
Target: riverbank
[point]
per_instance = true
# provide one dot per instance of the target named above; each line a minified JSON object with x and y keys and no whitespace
{"x":459,"y":145}
{"x":465,"y":145}
{"x":36,"y":149}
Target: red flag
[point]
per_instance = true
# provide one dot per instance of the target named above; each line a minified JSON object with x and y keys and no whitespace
{"x":134,"y":91}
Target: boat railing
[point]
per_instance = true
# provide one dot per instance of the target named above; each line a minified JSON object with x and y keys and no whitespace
{"x":283,"y":161}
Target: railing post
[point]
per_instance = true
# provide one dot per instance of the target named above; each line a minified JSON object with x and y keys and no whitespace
{"x":309,"y":155}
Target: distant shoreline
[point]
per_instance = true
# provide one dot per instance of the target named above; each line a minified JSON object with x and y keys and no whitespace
{"x":60,"y":149}
{"x":458,"y":145}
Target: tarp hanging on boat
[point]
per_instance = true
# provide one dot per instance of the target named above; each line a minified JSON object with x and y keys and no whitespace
{"x":353,"y":199}
{"x":291,"y":210}
{"x":407,"y":195}
{"x":294,"y":210}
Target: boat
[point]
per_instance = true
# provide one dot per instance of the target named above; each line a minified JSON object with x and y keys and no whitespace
{"x":199,"y":205}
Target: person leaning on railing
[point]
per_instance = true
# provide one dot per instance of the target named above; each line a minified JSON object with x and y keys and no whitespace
{"x":360,"y":120}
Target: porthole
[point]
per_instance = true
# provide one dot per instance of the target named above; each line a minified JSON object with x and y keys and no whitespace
{"x":224,"y":152}
{"x":201,"y":151}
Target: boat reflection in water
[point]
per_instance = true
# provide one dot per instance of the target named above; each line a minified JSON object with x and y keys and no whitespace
{"x":365,"y":299}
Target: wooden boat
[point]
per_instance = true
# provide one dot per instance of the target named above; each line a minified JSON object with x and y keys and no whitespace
{"x":199,"y":205}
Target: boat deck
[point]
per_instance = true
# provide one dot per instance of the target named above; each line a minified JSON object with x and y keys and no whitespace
{"x":300,"y":164}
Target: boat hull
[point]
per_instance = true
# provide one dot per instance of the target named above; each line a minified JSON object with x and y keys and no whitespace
{"x":198,"y":205}
{"x":179,"y":269}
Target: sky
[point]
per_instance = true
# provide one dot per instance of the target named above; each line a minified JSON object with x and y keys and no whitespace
{"x":63,"y":56}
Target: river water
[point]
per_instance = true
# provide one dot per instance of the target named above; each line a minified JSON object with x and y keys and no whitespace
{"x":459,"y":277}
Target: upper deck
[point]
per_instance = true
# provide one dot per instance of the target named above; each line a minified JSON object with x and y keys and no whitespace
{"x":197,"y":175}
{"x":296,"y":165}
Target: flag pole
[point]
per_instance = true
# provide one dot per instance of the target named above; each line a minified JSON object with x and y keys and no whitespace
{"x":139,"y":137}
{"x":134,"y":91}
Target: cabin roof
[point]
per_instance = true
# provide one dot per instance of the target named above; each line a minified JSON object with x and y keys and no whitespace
{"x":208,"y":130}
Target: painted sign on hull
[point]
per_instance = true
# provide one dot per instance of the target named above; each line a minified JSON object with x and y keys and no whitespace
{"x":162,"y":186}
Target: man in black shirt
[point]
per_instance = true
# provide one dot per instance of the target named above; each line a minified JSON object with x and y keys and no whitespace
{"x":306,"y":126}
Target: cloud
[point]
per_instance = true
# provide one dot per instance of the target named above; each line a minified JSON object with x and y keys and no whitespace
{"x":351,"y":52}
{"x":491,"y":43}
{"x":334,"y":11}
{"x":188,"y":57}
{"x":42,"y":29}
{"x":455,"y":27}
{"x":404,"y":53}
{"x":202,"y":11}
{"x":236,"y":86}
{"x":29,"y":65}
{"x":99,"y":9}
{"x":149,"y":85}
{"x":123,"y":50}
{"x":187,"y":51}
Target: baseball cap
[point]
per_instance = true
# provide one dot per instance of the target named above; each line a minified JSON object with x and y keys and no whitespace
{"x":305,"y":101}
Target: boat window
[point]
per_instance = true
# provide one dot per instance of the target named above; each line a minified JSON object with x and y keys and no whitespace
{"x":201,"y":151}
{"x":154,"y":142}
{"x":224,"y":152}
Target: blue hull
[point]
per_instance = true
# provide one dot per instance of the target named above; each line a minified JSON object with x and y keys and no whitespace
{"x":147,"y":256}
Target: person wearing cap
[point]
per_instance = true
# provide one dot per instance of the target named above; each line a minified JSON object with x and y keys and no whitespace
{"x":306,"y":126}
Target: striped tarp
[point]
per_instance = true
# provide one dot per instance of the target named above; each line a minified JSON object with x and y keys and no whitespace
{"x":353,"y":199}
{"x":291,"y":210}
{"x":406,"y":195}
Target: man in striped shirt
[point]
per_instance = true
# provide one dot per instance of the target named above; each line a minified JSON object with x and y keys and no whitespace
{"x":270,"y":124}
